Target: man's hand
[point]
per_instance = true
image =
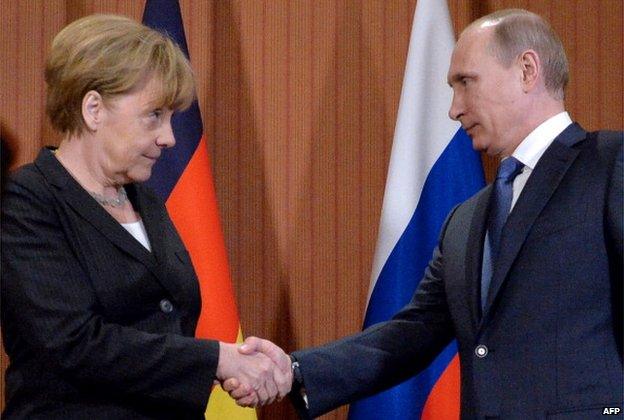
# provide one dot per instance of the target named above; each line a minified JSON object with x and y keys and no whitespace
{"x":243,"y":392}
{"x":255,"y":374}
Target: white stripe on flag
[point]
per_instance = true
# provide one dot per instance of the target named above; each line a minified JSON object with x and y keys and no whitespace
{"x":423,"y":128}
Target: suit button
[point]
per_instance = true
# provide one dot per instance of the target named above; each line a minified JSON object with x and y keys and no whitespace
{"x":166,"y":306}
{"x":481,"y":351}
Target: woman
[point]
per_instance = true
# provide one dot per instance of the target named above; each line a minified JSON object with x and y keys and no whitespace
{"x":99,"y":297}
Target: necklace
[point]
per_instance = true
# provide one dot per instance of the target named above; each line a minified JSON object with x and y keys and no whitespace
{"x":118,"y":201}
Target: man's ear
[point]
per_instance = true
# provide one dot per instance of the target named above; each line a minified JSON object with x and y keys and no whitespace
{"x":530,"y":66}
{"x":92,"y":109}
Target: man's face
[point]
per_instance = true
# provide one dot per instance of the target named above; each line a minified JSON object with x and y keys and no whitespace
{"x":488,"y":98}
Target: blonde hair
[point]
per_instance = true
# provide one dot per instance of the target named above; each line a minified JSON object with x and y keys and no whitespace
{"x":516,"y":30}
{"x":111,"y":55}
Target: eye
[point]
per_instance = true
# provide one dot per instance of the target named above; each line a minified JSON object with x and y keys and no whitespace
{"x":156,"y":114}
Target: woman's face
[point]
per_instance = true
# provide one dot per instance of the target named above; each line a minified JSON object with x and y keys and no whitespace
{"x":132,"y":134}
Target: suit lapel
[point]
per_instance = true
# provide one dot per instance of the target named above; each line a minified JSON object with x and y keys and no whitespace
{"x":474,"y":254}
{"x":145,"y":203}
{"x":538,"y":190}
{"x":78,"y":199}
{"x":156,"y":226}
{"x":147,"y":207}
{"x":94,"y":214}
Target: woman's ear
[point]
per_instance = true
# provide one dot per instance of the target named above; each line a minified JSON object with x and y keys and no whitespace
{"x":92,"y":109}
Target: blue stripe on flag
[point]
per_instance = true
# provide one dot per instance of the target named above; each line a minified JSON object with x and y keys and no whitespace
{"x":165,"y":16}
{"x":456,"y":175}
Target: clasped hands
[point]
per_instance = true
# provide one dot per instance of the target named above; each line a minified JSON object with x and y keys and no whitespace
{"x":255,"y":373}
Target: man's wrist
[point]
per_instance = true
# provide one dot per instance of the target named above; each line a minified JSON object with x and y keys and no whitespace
{"x":298,"y":385}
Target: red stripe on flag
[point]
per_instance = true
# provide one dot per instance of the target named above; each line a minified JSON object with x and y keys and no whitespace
{"x":443,"y":401}
{"x":192,"y":206}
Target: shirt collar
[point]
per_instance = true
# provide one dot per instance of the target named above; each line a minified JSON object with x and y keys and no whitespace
{"x":535,"y":144}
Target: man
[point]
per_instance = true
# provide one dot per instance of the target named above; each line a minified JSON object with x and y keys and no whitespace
{"x":527,"y":274}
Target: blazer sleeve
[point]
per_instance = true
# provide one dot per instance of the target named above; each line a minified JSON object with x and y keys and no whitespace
{"x":51,"y":310}
{"x":384,"y":354}
{"x":615,"y":201}
{"x":614,"y":218}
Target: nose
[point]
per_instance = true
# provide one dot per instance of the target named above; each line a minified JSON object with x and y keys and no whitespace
{"x":456,"y":110}
{"x":166,"y":138}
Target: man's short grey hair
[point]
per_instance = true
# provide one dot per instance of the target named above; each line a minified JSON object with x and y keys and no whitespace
{"x":517,"y":30}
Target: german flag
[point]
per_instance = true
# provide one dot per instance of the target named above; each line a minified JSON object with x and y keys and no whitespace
{"x":183,"y":179}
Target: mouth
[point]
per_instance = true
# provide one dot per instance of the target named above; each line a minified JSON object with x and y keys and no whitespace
{"x":470,"y":128}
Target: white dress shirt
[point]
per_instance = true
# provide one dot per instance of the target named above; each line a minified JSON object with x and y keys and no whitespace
{"x":137,"y":229}
{"x":529,"y":153}
{"x":533,"y":147}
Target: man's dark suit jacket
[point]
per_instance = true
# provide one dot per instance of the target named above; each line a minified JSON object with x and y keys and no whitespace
{"x":551,"y":329}
{"x":96,"y":326}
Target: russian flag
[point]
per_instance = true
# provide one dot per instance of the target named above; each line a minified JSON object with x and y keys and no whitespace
{"x":432,"y":168}
{"x":182,"y":177}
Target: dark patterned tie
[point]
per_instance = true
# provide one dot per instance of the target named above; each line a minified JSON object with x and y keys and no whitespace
{"x":500,"y":204}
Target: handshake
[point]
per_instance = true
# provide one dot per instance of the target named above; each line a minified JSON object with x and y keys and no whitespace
{"x":255,"y":373}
